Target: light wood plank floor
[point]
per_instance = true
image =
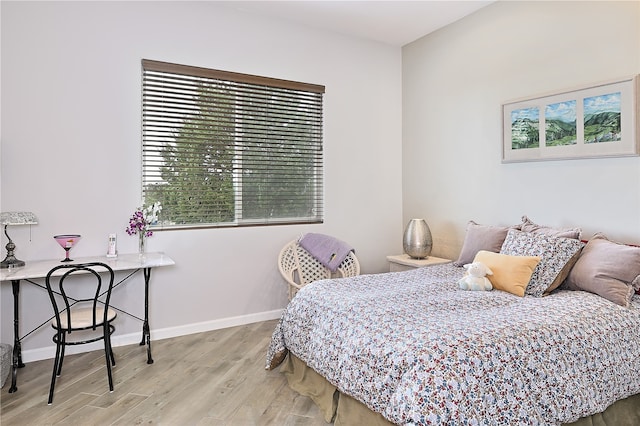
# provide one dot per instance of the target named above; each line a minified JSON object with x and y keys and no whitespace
{"x":212,"y":378}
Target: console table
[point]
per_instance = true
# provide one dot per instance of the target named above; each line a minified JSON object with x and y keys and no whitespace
{"x":37,"y":270}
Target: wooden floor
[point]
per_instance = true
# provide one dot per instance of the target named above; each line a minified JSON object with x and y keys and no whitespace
{"x":213,"y":378}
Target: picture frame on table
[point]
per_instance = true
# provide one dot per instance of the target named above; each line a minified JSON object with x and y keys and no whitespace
{"x":594,"y":121}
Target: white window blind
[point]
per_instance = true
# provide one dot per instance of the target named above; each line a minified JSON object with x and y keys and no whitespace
{"x":229,"y":149}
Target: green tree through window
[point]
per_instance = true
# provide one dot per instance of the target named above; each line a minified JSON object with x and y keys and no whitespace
{"x":219,"y":150}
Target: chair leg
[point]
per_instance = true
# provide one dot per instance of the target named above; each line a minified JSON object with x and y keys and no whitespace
{"x":113,"y":359}
{"x":63,"y":342}
{"x":108,"y":363}
{"x":108,"y":354}
{"x":108,"y":336}
{"x":55,"y":373}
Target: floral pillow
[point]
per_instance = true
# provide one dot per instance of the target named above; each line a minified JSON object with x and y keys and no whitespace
{"x":557,"y":256}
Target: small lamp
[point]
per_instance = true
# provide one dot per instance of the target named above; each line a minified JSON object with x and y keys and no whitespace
{"x":417,"y":240}
{"x":14,"y":218}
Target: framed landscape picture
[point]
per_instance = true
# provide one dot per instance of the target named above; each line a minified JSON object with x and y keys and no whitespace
{"x":595,"y":121}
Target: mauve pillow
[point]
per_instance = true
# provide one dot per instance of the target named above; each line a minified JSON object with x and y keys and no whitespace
{"x":528,"y":226}
{"x":480,"y":237}
{"x":608,"y":269}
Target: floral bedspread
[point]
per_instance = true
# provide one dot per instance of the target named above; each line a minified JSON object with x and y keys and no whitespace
{"x":413,"y":347}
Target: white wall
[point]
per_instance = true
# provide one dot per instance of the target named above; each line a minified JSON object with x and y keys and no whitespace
{"x":71,"y":135}
{"x":454,"y":82}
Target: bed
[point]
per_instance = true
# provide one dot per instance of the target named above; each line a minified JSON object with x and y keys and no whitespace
{"x":413,"y":348}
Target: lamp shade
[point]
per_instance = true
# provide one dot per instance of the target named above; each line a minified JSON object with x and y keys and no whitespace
{"x":18,"y":218}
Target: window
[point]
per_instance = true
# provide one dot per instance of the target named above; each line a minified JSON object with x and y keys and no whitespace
{"x":227,"y":149}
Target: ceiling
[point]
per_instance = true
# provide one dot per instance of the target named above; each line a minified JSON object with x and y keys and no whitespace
{"x":392,"y":22}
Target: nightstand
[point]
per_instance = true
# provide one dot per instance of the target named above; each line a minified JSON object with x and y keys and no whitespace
{"x":404,"y":262}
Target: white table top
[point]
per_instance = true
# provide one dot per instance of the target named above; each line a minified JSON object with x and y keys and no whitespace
{"x":405,"y":259}
{"x":124,"y":262}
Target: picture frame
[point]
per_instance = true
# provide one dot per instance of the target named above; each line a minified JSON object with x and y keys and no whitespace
{"x":599,"y":120}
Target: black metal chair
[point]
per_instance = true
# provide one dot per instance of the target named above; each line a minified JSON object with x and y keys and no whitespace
{"x":83,"y":308}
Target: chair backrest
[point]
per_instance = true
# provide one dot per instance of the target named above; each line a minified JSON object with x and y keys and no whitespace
{"x":300,"y":268}
{"x":86,"y":294}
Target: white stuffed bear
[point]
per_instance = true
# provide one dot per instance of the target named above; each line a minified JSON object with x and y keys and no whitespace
{"x":475,"y":278}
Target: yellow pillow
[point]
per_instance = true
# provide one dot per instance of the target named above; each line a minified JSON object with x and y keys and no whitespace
{"x":510,"y":273}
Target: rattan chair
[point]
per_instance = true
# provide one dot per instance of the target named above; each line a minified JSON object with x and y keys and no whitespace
{"x":87,"y":314}
{"x":299,"y":268}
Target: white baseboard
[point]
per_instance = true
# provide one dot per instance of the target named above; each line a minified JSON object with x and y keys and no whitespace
{"x":166,"y":333}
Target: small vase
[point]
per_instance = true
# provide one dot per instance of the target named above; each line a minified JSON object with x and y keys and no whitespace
{"x":142,"y":244}
{"x":417,"y":240}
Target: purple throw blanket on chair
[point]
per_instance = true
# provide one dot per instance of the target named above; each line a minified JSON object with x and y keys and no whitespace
{"x":327,"y":250}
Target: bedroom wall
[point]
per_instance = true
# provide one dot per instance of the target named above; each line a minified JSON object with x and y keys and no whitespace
{"x":454,"y":82}
{"x":70,"y":151}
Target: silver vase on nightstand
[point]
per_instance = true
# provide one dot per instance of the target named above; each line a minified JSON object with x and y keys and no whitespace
{"x":417,"y":241}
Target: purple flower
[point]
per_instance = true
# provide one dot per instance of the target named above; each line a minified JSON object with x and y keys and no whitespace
{"x":142,"y":218}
